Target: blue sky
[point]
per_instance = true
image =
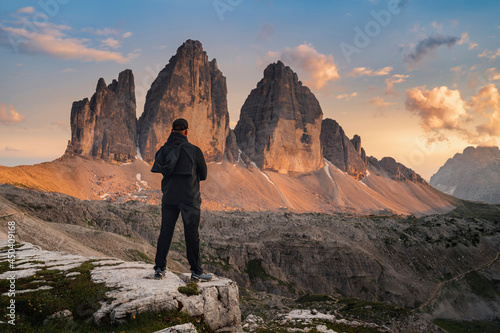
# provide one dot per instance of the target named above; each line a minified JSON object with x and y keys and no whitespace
{"x":417,"y":80}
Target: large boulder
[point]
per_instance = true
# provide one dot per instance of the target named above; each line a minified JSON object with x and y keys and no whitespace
{"x":280,"y":123}
{"x":189,"y":87}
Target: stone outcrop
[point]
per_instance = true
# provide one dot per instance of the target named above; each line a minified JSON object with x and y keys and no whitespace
{"x":472,"y":175}
{"x":189,"y":87}
{"x":104,"y":127}
{"x":345,"y":154}
{"x":395,"y":170}
{"x":232,"y":150}
{"x":133,"y":289}
{"x":280,"y":123}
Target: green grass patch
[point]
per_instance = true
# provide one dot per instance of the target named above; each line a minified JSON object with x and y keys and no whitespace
{"x":190,"y":289}
{"x":137,"y":255}
{"x":477,"y":210}
{"x":377,"y":312}
{"x":255,"y":270}
{"x":310,"y":298}
{"x":452,"y":326}
{"x":81,"y":296}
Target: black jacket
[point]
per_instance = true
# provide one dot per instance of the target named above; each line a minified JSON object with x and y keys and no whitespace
{"x":183,"y":188}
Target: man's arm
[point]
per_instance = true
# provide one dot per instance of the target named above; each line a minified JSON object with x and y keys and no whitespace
{"x":201,"y":165}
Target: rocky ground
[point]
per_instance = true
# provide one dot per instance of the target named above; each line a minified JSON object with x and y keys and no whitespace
{"x":437,"y":266}
{"x":127,"y":289}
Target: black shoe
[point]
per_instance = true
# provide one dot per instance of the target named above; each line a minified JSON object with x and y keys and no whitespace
{"x":201,"y":277}
{"x":159,"y":274}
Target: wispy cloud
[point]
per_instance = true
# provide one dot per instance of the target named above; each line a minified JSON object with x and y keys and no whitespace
{"x":395,"y":79}
{"x":9,"y":115}
{"x":489,"y":54}
{"x":347,"y":97}
{"x":493,"y":74}
{"x":379,"y":102}
{"x":126,"y":34}
{"x":68,"y":70}
{"x":427,"y":45}
{"x":111,"y":42}
{"x":318,"y":68}
{"x":366,"y":71}
{"x":26,"y":10}
{"x":55,"y":40}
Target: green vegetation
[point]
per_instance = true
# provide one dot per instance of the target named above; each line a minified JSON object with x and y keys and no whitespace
{"x":222,"y":263}
{"x":472,"y":209}
{"x":311,"y":298}
{"x":255,"y":270}
{"x":80,"y":295}
{"x":376,"y":312}
{"x":190,"y":289}
{"x":137,"y":255}
{"x":452,"y":326}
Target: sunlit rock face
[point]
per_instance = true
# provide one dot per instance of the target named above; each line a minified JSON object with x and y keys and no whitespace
{"x":189,"y":87}
{"x":105,"y":126}
{"x":345,"y":154}
{"x":280,"y":123}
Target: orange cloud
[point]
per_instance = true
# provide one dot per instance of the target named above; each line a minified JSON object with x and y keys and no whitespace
{"x":318,"y":68}
{"x":51,"y":39}
{"x":379,"y":102}
{"x":364,"y":71}
{"x":390,"y":82}
{"x":487,"y":103}
{"x":442,"y":111}
{"x":347,"y":96}
{"x":489,"y":54}
{"x":111,"y":42}
{"x":9,"y":115}
{"x":439,"y":108}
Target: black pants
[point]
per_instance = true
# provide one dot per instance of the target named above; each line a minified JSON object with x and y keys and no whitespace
{"x":191,"y":218}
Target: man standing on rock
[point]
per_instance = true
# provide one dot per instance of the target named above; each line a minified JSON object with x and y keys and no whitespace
{"x":183,"y":167}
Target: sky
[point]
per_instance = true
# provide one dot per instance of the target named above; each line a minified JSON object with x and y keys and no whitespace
{"x":417,"y":80}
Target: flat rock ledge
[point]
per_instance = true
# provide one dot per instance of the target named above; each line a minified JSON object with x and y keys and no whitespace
{"x":136,"y":289}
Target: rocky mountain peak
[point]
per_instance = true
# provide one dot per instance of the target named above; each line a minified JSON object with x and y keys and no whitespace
{"x":105,"y":126}
{"x":395,"y":170}
{"x":473,"y":174}
{"x":280,"y":123}
{"x":188,"y":87}
{"x":345,"y":154}
{"x":101,"y":85}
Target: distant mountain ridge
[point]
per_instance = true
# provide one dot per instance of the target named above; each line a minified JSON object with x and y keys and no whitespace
{"x":472,"y":175}
{"x":282,"y":154}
